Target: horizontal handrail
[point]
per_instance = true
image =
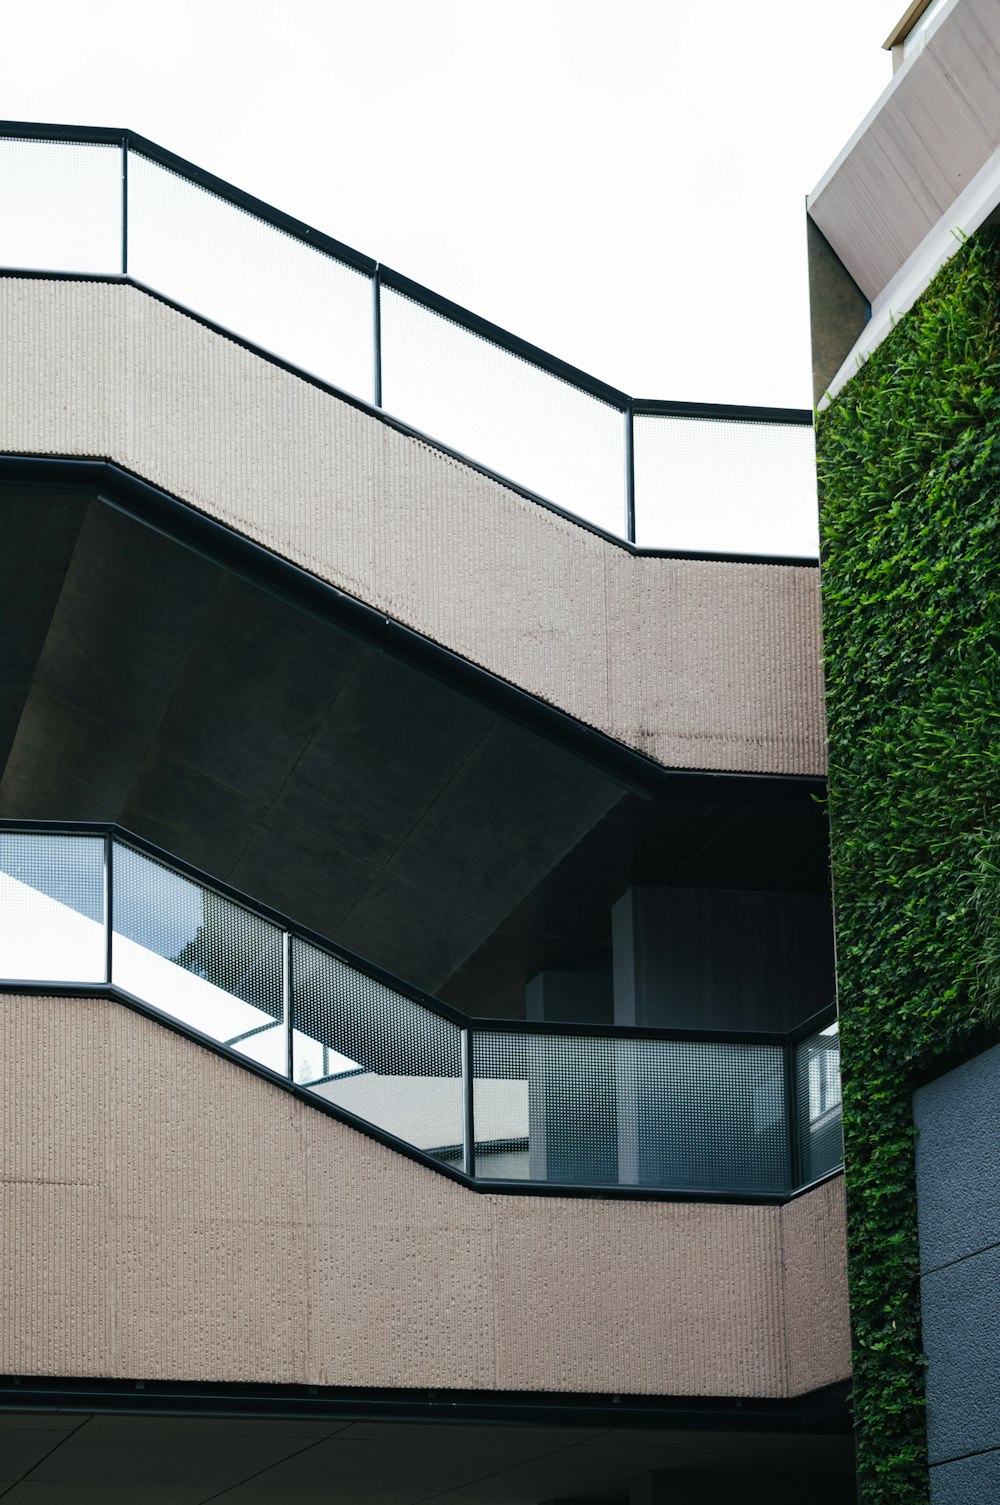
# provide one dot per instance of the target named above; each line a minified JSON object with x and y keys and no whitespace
{"x":453,"y":396}
{"x":706,"y":1112}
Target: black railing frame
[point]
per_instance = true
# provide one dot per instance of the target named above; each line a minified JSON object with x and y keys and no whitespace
{"x":382,"y":275}
{"x":110,"y":832}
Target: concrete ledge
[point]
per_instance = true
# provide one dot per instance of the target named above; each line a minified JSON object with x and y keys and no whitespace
{"x":698,"y":664}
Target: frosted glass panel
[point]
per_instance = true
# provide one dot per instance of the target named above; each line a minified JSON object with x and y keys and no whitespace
{"x":503,"y":412}
{"x":726,"y":487}
{"x":376,"y":1053}
{"x":296,"y":302}
{"x":698,"y":1115}
{"x":60,"y":206}
{"x":198,"y":957}
{"x":52,"y":908}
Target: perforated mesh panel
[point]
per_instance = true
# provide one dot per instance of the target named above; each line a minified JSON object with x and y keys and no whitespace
{"x":698,"y":1115}
{"x":375,"y":1052}
{"x":503,"y":412}
{"x":194,"y":954}
{"x":725,"y":487}
{"x":62,"y":206}
{"x":820,"y":1131}
{"x":52,"y":908}
{"x":239,"y":271}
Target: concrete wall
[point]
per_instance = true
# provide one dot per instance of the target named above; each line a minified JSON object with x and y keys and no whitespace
{"x":932,"y":131}
{"x":958,"y":1192}
{"x":166,"y":1214}
{"x":697,"y":664}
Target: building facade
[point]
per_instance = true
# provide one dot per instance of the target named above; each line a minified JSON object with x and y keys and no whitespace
{"x":417,"y":963}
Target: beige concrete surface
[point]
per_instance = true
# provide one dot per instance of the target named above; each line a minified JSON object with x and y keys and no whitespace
{"x":697,"y":664}
{"x":920,"y":147}
{"x":167,"y":1214}
{"x":817,"y":1314}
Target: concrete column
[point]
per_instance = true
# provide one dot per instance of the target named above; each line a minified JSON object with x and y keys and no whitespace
{"x":712,"y":958}
{"x":585,"y":997}
{"x":559,"y":1150}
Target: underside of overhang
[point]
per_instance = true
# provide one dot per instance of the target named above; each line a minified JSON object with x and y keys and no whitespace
{"x":412,"y":818}
{"x":120,"y":1456}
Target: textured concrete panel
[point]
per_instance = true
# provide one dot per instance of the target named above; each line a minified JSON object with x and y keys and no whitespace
{"x":958,"y":1161}
{"x":969,"y":1481}
{"x":698,"y":665}
{"x":815,"y":1285}
{"x":961,"y":1322}
{"x":166,"y":1214}
{"x":705,"y":1278}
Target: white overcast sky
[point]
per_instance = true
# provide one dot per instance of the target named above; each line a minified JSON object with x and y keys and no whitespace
{"x":622,"y":184}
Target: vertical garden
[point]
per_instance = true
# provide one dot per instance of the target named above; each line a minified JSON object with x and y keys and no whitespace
{"x":909,"y":472}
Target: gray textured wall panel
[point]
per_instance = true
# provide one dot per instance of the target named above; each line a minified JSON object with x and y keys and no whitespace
{"x":958,"y":1208}
{"x":698,"y":665}
{"x":166,"y":1214}
{"x":958,"y":1161}
{"x":970,"y":1481}
{"x":961,"y":1322}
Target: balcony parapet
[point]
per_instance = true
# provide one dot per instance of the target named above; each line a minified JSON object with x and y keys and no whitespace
{"x":498,"y":1104}
{"x":683,"y":479}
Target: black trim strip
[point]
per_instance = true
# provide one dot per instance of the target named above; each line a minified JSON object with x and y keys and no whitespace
{"x":19,"y":130}
{"x":656,"y":407}
{"x":496,"y":335}
{"x":179,"y":520}
{"x":825,"y":1410}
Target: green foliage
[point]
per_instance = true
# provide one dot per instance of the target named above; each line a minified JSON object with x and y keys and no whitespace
{"x":909,"y":468}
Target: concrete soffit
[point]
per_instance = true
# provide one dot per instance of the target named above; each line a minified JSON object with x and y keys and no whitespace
{"x":696,"y":664}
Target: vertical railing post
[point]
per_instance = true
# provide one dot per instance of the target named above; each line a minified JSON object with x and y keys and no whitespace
{"x":109,"y":903}
{"x":630,"y":473}
{"x":286,"y":1003}
{"x":377,"y":334}
{"x":124,"y":206}
{"x":792,"y":1112}
{"x":468,"y":1108}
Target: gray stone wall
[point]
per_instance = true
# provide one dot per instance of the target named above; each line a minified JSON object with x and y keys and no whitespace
{"x":958,"y":1192}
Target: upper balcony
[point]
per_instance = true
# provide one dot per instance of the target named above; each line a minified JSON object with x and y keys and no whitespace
{"x":686,"y":478}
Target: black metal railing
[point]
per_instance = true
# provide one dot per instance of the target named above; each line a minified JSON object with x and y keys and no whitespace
{"x":662,"y":476}
{"x":498,"y":1102}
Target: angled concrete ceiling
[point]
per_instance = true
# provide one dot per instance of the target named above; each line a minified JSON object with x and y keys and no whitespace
{"x":384,"y":806}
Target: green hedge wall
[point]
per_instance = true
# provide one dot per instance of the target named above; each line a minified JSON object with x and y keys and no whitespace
{"x":909,"y":468}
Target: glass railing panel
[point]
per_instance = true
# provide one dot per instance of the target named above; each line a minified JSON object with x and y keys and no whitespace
{"x":197,"y":956}
{"x":62,"y":209}
{"x":503,"y":412}
{"x":544,"y":1108}
{"x":725,"y":486}
{"x":240,"y":272}
{"x":817,"y":1087}
{"x":702,"y":1115}
{"x":52,"y":908}
{"x":376,"y":1053}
